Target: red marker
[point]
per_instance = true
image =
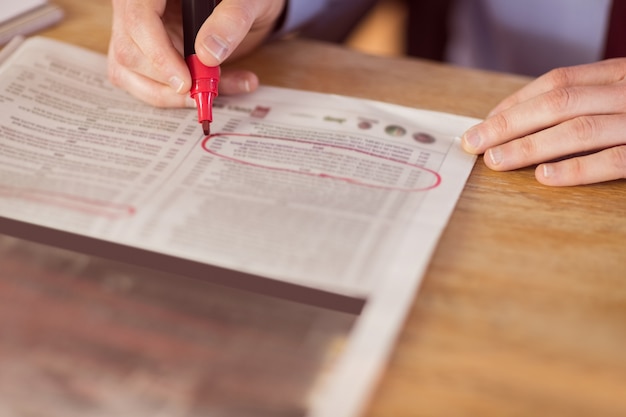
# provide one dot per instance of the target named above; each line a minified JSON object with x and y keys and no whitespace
{"x":204,"y":79}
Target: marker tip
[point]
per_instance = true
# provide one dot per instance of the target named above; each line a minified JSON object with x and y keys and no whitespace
{"x":206,"y":127}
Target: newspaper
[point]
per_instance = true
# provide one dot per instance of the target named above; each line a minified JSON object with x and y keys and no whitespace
{"x":330,"y":193}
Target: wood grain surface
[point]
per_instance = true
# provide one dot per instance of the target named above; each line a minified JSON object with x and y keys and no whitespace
{"x":522,"y":310}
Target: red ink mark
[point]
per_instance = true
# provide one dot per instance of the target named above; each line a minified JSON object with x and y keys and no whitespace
{"x":72,"y":202}
{"x":436,"y":178}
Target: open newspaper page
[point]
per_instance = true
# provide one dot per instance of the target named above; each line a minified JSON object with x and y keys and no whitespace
{"x":322,"y":191}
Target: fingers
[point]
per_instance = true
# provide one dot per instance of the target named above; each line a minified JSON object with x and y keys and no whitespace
{"x":578,"y":119}
{"x":592,"y":149}
{"x":542,"y":112}
{"x":238,"y":82}
{"x":599,"y":73}
{"x":148,"y":90}
{"x":606,"y":165}
{"x":160,"y":95}
{"x":580,"y":135}
{"x":144,"y":52}
{"x":142,"y":58}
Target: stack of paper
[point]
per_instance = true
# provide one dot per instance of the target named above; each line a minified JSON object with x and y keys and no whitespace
{"x":26,"y":16}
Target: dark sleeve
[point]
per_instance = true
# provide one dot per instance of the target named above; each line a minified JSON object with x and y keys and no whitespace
{"x":329,"y":20}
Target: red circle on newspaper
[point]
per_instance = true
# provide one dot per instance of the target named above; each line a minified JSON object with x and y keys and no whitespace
{"x":433,"y":179}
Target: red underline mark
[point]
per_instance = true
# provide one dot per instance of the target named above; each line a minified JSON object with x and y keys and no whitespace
{"x":71,"y":202}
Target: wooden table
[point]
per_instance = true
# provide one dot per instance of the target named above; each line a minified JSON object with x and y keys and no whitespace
{"x":522,"y":310}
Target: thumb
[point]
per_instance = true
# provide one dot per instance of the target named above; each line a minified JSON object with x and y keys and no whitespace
{"x":223,"y":31}
{"x":232,"y":22}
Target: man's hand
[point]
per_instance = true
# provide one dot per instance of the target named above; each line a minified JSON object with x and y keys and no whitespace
{"x":145,"y":52}
{"x":571,"y":121}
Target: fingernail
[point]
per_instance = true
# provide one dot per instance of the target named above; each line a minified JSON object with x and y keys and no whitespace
{"x":216,"y":46}
{"x":472,"y":139}
{"x":495,"y":155}
{"x":176,"y":84}
{"x":244,"y":85}
{"x":548,"y":170}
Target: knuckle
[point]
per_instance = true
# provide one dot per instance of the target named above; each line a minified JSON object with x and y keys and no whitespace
{"x":158,"y":59}
{"x":528,"y":147}
{"x":620,"y":90}
{"x":584,"y":130}
{"x":559,"y":77}
{"x":498,"y":124}
{"x":560,"y":99}
{"x":123,"y":53}
{"x":576,"y":169}
{"x":617,"y":159}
